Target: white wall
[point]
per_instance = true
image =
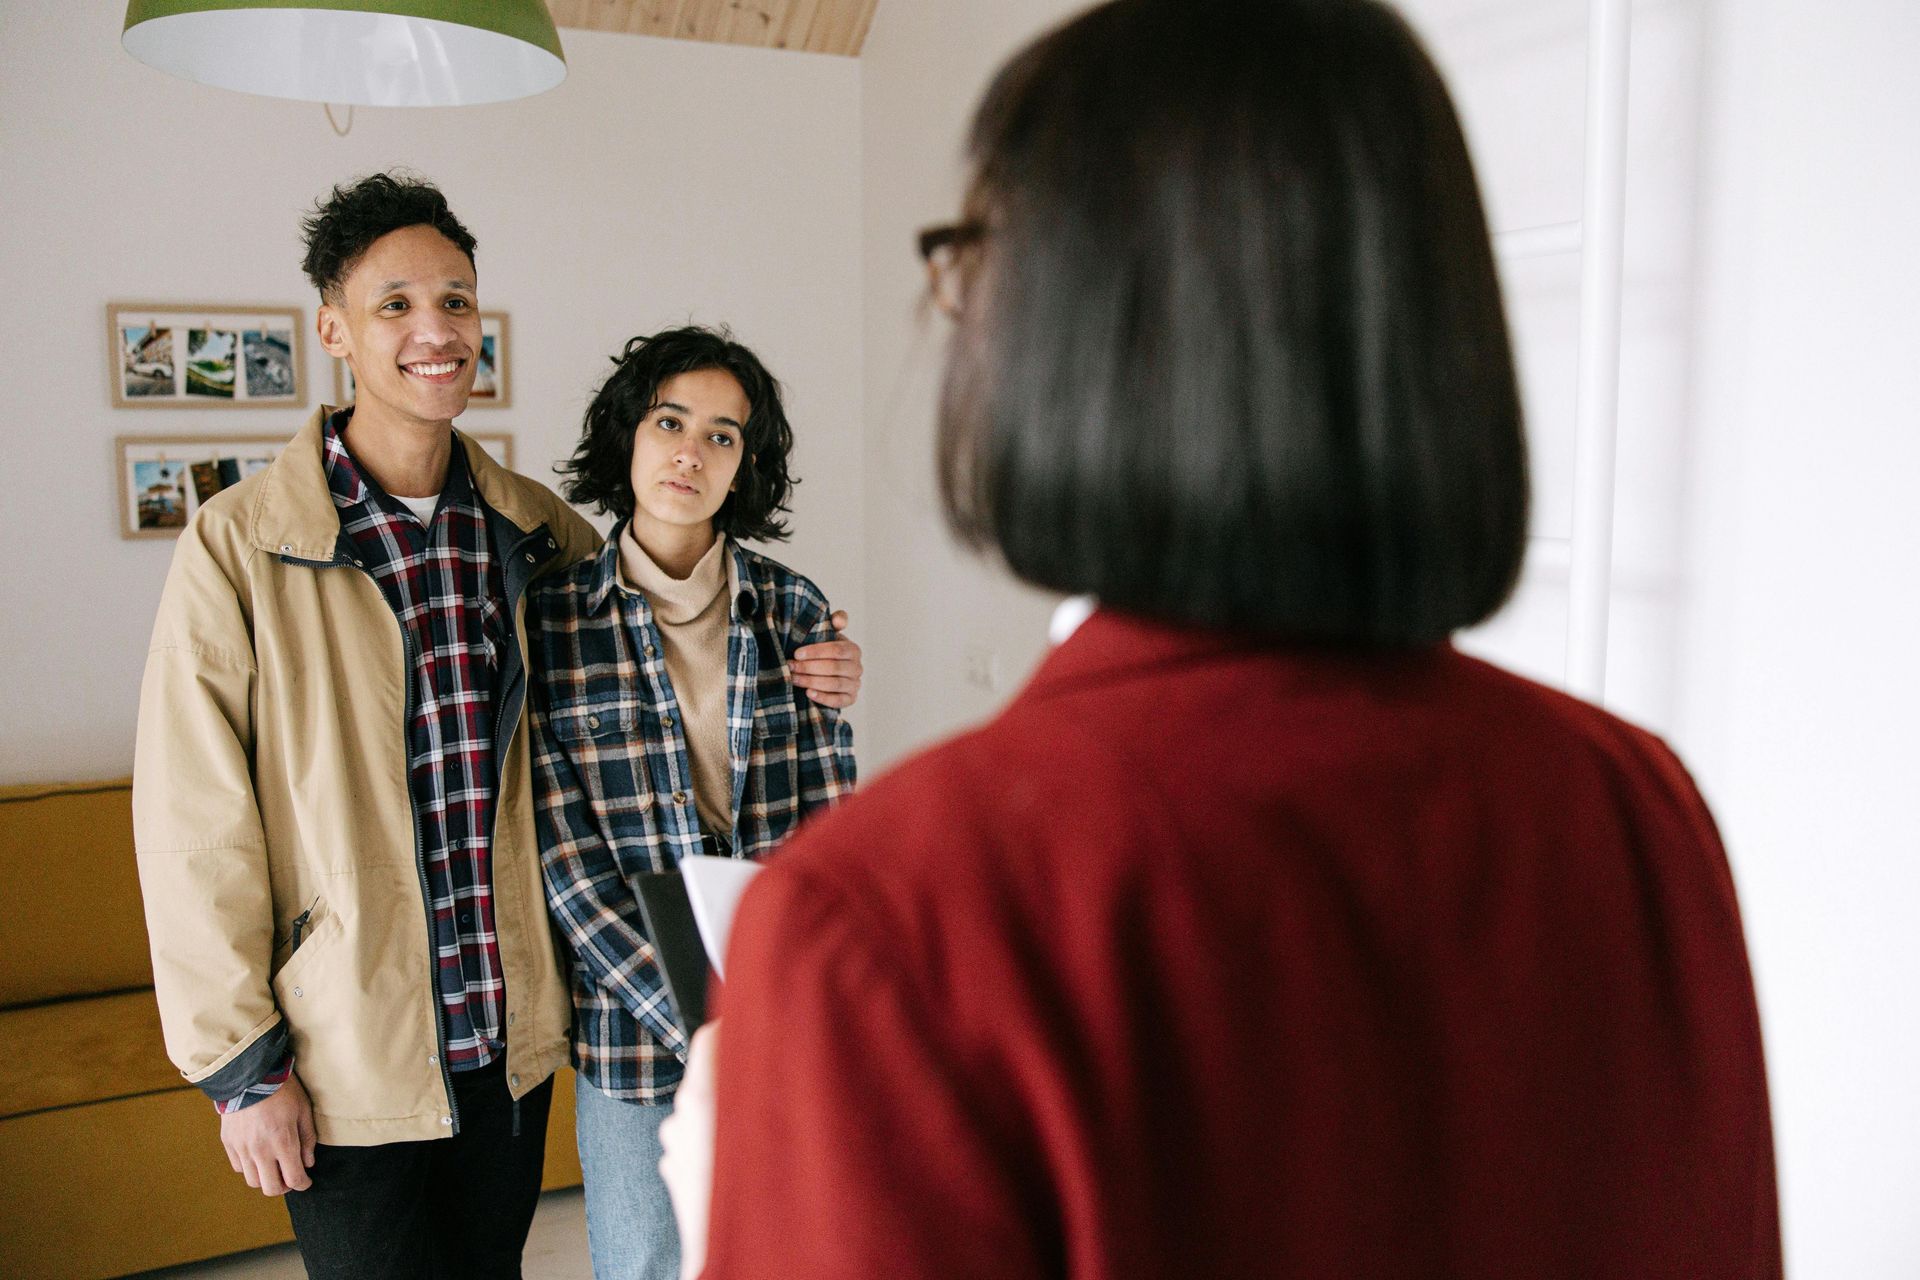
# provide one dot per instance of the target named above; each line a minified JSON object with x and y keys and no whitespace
{"x":923,"y":68}
{"x":1800,"y":672}
{"x":665,"y":180}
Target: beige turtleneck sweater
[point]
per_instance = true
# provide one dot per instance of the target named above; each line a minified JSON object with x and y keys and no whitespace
{"x":692,"y":616}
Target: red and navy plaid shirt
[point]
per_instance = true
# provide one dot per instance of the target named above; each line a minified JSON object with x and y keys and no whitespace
{"x":446,"y":588}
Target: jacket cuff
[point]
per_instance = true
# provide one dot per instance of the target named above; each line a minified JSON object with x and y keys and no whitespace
{"x":250,"y":1067}
{"x":260,"y":1091}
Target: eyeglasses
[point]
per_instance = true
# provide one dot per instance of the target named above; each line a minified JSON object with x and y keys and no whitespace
{"x":941,"y":248}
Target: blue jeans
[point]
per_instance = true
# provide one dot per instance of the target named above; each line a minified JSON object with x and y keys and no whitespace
{"x":630,"y":1230}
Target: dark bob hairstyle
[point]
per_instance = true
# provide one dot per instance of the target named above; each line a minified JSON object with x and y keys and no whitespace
{"x":342,"y":227}
{"x":600,"y":473}
{"x":1233,"y":351}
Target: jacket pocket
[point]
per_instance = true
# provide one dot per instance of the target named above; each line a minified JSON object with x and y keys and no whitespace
{"x":315,"y":931}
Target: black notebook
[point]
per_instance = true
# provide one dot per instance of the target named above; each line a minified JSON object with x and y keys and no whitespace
{"x":676,"y":946}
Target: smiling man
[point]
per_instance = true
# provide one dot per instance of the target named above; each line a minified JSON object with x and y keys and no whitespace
{"x":332,"y":795}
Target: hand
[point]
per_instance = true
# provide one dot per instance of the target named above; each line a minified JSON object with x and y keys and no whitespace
{"x":829,"y":672}
{"x":271,"y":1143}
{"x":686,"y":1138}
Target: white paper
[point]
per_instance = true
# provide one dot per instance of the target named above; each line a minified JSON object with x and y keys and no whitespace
{"x":714,"y":886}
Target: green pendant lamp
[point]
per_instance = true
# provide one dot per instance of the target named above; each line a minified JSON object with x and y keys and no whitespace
{"x":375,"y":53}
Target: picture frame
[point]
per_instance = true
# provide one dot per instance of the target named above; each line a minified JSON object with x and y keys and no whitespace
{"x":173,"y":355}
{"x":163,"y":480}
{"x":492,"y":380}
{"x":493,"y":376}
{"x":498,"y":444}
{"x":342,"y":384}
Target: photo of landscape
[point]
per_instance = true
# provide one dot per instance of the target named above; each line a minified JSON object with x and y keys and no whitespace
{"x":160,"y":499}
{"x":146,"y":360}
{"x":211,"y":362}
{"x":268,"y":357}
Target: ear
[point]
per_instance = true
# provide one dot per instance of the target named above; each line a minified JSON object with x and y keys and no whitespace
{"x":332,"y":328}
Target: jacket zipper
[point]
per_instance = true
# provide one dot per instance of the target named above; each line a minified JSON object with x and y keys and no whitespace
{"x":420,"y":862}
{"x":419,"y":849}
{"x":426,"y":891}
{"x":500,"y":748}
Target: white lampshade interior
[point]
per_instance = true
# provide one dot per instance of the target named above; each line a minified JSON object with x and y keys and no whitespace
{"x":330,"y":55}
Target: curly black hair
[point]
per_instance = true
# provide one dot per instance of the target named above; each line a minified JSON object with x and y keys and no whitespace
{"x":341,"y":227}
{"x":600,"y":473}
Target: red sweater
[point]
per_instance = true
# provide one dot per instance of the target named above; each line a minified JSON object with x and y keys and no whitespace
{"x":1211,"y":959}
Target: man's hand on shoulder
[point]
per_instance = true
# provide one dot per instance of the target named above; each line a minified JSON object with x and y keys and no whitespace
{"x":271,"y":1143}
{"x":830,"y":671}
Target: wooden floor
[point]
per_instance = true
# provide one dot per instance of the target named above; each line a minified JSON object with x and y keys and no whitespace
{"x":556,"y":1250}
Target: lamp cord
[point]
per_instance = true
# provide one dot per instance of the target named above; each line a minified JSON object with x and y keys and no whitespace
{"x":328,"y":108}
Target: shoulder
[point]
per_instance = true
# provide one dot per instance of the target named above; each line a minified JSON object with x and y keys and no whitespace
{"x":1545,"y":713}
{"x":229,"y":514}
{"x":558,"y":599}
{"x":221,"y":534}
{"x":793,"y":601}
{"x":1572,"y":747}
{"x":933,"y":813}
{"x":578,"y":539}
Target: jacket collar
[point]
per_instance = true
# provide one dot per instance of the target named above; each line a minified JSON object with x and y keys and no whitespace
{"x":1111,"y":646}
{"x":294,"y":513}
{"x":741,"y":587}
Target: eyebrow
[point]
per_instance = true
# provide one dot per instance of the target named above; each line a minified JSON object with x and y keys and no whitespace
{"x":391,"y":286}
{"x":680,"y":408}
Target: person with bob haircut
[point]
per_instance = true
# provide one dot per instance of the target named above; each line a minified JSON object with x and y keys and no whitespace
{"x":666,"y":723}
{"x":1264,"y":933}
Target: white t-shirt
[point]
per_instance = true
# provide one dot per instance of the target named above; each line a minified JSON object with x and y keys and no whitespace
{"x":422,"y":508}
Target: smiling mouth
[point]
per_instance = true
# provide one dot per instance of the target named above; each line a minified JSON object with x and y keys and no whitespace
{"x":434,"y":370}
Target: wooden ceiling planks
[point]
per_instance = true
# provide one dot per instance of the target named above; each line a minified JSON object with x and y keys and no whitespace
{"x":815,"y":26}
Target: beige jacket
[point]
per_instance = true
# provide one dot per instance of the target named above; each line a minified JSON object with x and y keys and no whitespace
{"x":270,"y":781}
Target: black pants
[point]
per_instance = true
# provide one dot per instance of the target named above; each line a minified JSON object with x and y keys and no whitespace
{"x":459,"y":1207}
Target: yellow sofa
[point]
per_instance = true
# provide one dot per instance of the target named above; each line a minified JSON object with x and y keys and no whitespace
{"x":109,"y":1162}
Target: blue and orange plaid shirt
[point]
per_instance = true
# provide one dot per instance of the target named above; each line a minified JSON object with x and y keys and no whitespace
{"x":613,"y":786}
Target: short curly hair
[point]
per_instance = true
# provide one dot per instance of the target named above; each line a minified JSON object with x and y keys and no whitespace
{"x":600,"y":473}
{"x":341,"y":227}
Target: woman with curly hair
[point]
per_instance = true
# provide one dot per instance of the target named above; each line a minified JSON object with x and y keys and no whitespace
{"x":666,"y":722}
